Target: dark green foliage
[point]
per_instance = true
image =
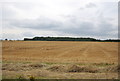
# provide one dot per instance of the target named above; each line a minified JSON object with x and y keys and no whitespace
{"x":59,"y":39}
{"x":6,"y":39}
{"x":68,"y":39}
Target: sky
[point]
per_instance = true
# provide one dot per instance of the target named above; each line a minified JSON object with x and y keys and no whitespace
{"x":63,"y":18}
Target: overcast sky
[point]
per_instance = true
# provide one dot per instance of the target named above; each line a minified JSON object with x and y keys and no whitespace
{"x":73,"y":18}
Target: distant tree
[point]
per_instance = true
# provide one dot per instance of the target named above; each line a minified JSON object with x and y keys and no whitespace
{"x":6,"y":39}
{"x":68,"y":39}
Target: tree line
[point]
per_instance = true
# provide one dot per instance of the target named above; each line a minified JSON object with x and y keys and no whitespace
{"x":68,"y":39}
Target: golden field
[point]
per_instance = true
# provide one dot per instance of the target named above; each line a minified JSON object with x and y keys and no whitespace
{"x":60,"y":59}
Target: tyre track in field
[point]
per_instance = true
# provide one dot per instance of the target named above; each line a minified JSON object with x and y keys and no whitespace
{"x":95,"y":51}
{"x":105,"y":54}
{"x":106,"y":51}
{"x":86,"y":49}
{"x":92,"y":51}
{"x":69,"y":52}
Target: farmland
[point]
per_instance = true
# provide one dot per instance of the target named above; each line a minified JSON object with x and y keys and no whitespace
{"x":62,"y":59}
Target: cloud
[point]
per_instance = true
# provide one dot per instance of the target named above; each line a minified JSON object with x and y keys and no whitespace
{"x":62,"y":18}
{"x":28,"y":34}
{"x":91,"y":5}
{"x":11,"y":36}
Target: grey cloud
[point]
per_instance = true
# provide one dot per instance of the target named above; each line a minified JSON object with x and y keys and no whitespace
{"x":91,"y":5}
{"x":84,"y":28}
{"x":11,"y":36}
{"x":106,"y":28}
{"x":72,"y":26}
{"x":7,"y":13}
{"x":37,"y":24}
{"x":103,"y":29}
{"x":28,"y":34}
{"x":81,"y":8}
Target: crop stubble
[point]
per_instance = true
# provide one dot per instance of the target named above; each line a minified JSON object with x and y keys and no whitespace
{"x":62,"y":59}
{"x":62,"y":52}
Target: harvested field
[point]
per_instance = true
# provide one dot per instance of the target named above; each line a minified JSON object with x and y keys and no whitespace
{"x":65,"y":60}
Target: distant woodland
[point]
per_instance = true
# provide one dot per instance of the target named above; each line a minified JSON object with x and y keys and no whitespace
{"x":68,"y":39}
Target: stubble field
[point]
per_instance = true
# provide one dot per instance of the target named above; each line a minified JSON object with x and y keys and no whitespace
{"x":60,"y":59}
